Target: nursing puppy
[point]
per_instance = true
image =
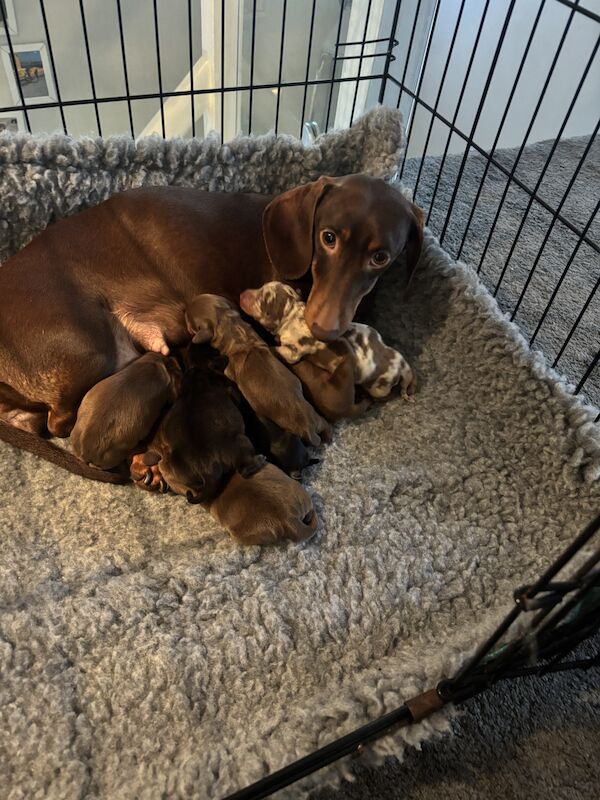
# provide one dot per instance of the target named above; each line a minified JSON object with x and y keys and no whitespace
{"x":282,"y":448}
{"x":119,"y":411}
{"x":266,"y":508}
{"x":377,"y":367}
{"x":201,"y":440}
{"x":268,"y":386}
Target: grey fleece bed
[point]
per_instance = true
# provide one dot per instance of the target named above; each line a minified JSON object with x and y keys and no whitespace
{"x":144,"y":655}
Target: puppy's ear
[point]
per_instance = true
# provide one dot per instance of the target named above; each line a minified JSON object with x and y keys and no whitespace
{"x":252,"y":466}
{"x":203,"y":336}
{"x":151,"y":458}
{"x":288,"y":223}
{"x":414,"y":245}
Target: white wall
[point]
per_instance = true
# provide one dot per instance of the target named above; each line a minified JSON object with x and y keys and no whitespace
{"x":577,"y":48}
{"x":64,"y":22}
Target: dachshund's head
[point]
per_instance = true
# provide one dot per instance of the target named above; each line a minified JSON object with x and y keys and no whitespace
{"x":347,"y":232}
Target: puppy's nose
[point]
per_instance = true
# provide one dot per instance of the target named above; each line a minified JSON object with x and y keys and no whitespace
{"x":246,"y":300}
{"x":324,"y":335}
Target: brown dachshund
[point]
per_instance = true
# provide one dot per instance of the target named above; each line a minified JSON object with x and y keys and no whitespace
{"x":120,"y":411}
{"x":266,"y":508}
{"x":268,"y":386}
{"x":201,"y":440}
{"x":92,"y":291}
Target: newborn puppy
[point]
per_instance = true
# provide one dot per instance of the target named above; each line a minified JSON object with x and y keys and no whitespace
{"x":328,"y":378}
{"x":279,"y":309}
{"x":201,"y":441}
{"x":378,"y":368}
{"x":268,"y":386}
{"x":266,"y":508}
{"x":119,"y":411}
{"x":284,"y":449}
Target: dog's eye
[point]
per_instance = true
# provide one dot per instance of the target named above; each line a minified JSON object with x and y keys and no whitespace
{"x":328,"y":238}
{"x":380,"y":259}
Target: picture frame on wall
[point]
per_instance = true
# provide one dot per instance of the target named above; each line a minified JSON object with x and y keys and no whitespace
{"x":12,"y":122}
{"x":7,"y":12}
{"x":33,"y":73}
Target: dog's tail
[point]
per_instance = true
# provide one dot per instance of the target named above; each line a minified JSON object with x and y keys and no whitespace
{"x":42,"y":448}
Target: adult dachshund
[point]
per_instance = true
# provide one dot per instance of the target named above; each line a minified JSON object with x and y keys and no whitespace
{"x":92,"y":291}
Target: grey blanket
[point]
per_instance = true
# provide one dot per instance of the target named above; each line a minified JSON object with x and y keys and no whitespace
{"x":144,"y":655}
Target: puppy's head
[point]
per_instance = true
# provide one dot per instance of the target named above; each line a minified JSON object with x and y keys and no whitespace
{"x":201,"y":476}
{"x":346,"y":231}
{"x":271,"y":304}
{"x":203,"y":313}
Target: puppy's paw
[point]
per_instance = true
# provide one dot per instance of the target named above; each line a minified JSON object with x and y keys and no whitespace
{"x":145,"y":476}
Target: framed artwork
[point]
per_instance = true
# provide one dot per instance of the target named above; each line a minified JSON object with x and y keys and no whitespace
{"x":7,"y":15}
{"x":10,"y":124}
{"x":33,"y":73}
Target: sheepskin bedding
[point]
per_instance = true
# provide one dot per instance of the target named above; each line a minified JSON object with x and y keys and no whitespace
{"x":144,"y":655}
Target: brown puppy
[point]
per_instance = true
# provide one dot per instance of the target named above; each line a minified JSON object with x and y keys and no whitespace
{"x":118,"y":412}
{"x":201,"y":441}
{"x":266,"y":508}
{"x":328,"y":381}
{"x":268,"y":386}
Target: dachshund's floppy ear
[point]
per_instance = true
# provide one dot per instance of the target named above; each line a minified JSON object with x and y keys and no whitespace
{"x":202,"y":336}
{"x":288,"y":228}
{"x":414,"y":245}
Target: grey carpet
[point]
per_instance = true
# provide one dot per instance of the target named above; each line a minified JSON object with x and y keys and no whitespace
{"x":583,"y":276}
{"x":143,"y":655}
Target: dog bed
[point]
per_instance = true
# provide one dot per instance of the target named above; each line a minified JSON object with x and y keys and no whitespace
{"x":143,"y":654}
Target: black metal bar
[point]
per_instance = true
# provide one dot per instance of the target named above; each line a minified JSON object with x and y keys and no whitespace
{"x":588,"y":372}
{"x":420,"y":82}
{"x":469,"y":668}
{"x":501,"y":125}
{"x":226,"y":89}
{"x":310,"y":41}
{"x":563,"y":199}
{"x":392,"y":42}
{"x":222,"y":69}
{"x":563,"y":275}
{"x":581,"y":9}
{"x":457,"y":108}
{"x":125,"y":75}
{"x":191,"y":67}
{"x":486,"y":88}
{"x":547,"y":163}
{"x":584,"y":308}
{"x":252,"y":66}
{"x":408,"y":51}
{"x":366,"y":55}
{"x":361,"y":56}
{"x":526,"y":138}
{"x":500,"y":167}
{"x":333,"y":79}
{"x":344,"y":746}
{"x":438,"y":97}
{"x":158,"y":67}
{"x":280,"y":73}
{"x":90,"y":68}
{"x":13,"y":62}
{"x":54,"y":73}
